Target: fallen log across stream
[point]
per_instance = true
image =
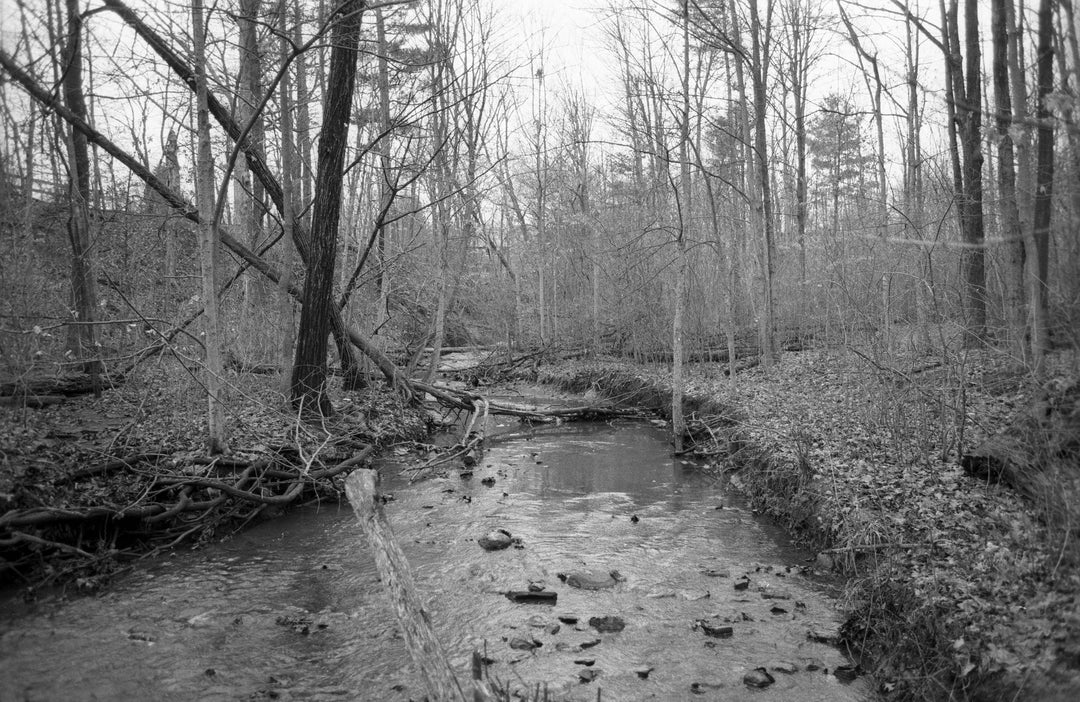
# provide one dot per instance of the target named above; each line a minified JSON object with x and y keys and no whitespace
{"x":470,"y":447}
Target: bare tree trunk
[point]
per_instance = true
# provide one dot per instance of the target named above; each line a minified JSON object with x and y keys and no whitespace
{"x":1044,"y":186}
{"x":83,"y":337}
{"x":759,"y":70}
{"x":208,"y":240}
{"x":1015,"y":309}
{"x":686,"y":218}
{"x":310,"y":370}
{"x":286,"y":311}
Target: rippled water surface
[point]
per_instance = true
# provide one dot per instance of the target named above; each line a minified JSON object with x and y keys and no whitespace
{"x":293,"y":608}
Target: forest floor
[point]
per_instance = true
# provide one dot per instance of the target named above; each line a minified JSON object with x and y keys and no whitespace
{"x":958,"y":586}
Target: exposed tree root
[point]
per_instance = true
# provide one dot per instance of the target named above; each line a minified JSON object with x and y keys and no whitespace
{"x":178,"y":502}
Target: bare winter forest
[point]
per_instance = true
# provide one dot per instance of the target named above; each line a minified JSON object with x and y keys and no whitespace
{"x":220,"y":211}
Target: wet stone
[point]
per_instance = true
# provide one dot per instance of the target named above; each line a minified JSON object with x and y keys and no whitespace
{"x":716,"y":631}
{"x":588,"y":675}
{"x":742,"y":584}
{"x":813,"y":664}
{"x":846,"y":673}
{"x":495,"y":540}
{"x":642,"y":671}
{"x":587,"y":580}
{"x":758,"y":677}
{"x":587,"y":662}
{"x":524,"y":644}
{"x":716,"y":572}
{"x":785,"y":667}
{"x":568,"y":618}
{"x":607,"y":625}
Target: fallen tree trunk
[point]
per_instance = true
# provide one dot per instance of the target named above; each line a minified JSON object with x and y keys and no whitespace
{"x":394,"y":572}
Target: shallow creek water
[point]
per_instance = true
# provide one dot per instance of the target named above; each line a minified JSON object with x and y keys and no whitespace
{"x":293,"y":609}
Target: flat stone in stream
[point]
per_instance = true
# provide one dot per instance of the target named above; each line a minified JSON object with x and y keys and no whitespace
{"x":495,"y":540}
{"x":529,"y":597}
{"x":589,"y":580}
{"x":524,"y":644}
{"x":607,"y":625}
{"x":758,"y":677}
{"x":714,"y":630}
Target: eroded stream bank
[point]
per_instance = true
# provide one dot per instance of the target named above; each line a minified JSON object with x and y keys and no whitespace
{"x":293,"y":610}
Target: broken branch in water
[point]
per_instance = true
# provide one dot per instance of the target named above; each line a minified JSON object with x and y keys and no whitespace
{"x":394,"y":572}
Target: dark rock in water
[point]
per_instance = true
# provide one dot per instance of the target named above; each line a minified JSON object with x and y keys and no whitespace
{"x":813,"y":663}
{"x":828,"y":634}
{"x":742,"y":584}
{"x":758,"y":677}
{"x":785,"y":667}
{"x":589,"y":580}
{"x":523,"y":644}
{"x":775,"y":595}
{"x":846,"y":673}
{"x":552,"y":628}
{"x":536,"y":586}
{"x":713,"y":630}
{"x":529,"y":597}
{"x":634,"y":519}
{"x":590,"y":643}
{"x":487,"y":482}
{"x":567,"y":618}
{"x":717,"y":572}
{"x":587,"y":662}
{"x":495,"y":540}
{"x":588,"y":675}
{"x":642,"y":671}
{"x":777,"y":609}
{"x":607,"y":625}
{"x":700,"y":688}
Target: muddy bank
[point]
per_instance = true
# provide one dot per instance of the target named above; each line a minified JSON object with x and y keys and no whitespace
{"x":956,"y":588}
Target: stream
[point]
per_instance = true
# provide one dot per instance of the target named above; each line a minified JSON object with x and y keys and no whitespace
{"x":292,"y":609}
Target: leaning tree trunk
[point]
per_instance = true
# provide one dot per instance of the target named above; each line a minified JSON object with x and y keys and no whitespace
{"x":310,"y":369}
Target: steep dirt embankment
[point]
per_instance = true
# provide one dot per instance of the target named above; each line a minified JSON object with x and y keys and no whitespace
{"x":958,"y":588}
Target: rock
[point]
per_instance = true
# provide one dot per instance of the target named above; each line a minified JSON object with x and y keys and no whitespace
{"x":813,"y":663}
{"x":495,"y":540}
{"x":634,"y":519}
{"x":714,"y":630}
{"x":537,"y":622}
{"x":524,"y":644}
{"x":487,"y":482}
{"x":785,"y":667}
{"x":607,"y":625}
{"x":588,"y":580}
{"x":587,"y":662}
{"x":695,"y":595}
{"x":825,"y":561}
{"x":716,"y":572}
{"x":590,"y":643}
{"x":775,"y":595}
{"x":742,"y":584}
{"x":700,"y":688}
{"x":536,"y":586}
{"x":661,"y":594}
{"x":588,"y":675}
{"x":777,"y":609}
{"x":642,"y":671}
{"x":758,"y":677}
{"x":846,"y":673}
{"x":552,"y":628}
{"x":529,"y":597}
{"x":824,"y":634}
{"x":568,"y":618}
